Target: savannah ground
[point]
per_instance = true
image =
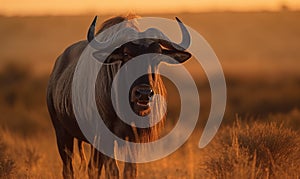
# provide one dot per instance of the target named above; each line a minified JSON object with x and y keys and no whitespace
{"x":258,"y":138}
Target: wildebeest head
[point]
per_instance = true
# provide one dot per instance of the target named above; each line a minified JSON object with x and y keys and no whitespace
{"x":145,"y":86}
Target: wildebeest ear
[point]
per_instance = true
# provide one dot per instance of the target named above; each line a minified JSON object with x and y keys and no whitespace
{"x":179,"y":56}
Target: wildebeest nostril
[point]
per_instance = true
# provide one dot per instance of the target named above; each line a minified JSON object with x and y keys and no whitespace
{"x":144,"y":92}
{"x":137,"y":94}
{"x":151,"y":93}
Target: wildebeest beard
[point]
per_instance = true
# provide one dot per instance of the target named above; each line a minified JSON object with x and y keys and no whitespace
{"x":103,"y":92}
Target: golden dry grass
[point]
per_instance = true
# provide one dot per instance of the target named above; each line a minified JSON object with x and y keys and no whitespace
{"x":260,"y":55}
{"x":254,"y":150}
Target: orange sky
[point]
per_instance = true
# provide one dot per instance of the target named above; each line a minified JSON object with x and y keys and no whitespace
{"x":54,"y":7}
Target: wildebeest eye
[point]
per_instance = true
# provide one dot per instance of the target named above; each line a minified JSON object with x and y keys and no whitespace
{"x":126,"y":51}
{"x":126,"y":57}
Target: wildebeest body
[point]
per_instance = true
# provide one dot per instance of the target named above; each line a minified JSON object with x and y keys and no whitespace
{"x":59,"y":101}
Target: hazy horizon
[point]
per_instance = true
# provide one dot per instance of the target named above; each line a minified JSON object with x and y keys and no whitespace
{"x":99,"y":13}
{"x":77,"y":7}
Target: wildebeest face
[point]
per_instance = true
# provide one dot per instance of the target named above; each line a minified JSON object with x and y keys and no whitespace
{"x":143,"y":88}
{"x":151,"y":41}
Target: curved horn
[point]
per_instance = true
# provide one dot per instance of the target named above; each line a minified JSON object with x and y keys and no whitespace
{"x":91,"y":32}
{"x":127,"y":34}
{"x":186,"y":38}
{"x":185,"y":42}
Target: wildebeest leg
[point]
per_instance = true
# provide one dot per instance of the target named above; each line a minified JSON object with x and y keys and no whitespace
{"x":95,"y":163}
{"x":63,"y":138}
{"x":82,"y":156}
{"x":130,"y":170}
{"x":65,"y":147}
{"x":111,"y":168}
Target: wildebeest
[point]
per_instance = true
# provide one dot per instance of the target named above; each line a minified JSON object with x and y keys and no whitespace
{"x":59,"y":98}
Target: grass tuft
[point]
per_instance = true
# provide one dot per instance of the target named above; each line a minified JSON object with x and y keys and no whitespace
{"x":255,"y":150}
{"x":7,"y":165}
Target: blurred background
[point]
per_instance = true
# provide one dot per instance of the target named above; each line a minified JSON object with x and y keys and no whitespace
{"x":257,"y":43}
{"x":71,"y":7}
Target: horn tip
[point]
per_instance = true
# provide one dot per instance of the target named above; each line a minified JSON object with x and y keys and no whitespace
{"x":91,"y":31}
{"x":178,"y":20}
{"x":95,"y":20}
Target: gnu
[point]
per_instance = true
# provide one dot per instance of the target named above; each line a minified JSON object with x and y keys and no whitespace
{"x":59,"y":92}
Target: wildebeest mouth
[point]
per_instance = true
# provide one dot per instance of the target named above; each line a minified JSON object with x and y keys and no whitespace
{"x":143,"y":104}
{"x":142,"y":108}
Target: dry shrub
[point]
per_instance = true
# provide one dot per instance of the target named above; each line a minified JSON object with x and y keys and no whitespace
{"x":28,"y":160}
{"x":7,"y":165}
{"x":290,"y":119}
{"x":254,"y":150}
